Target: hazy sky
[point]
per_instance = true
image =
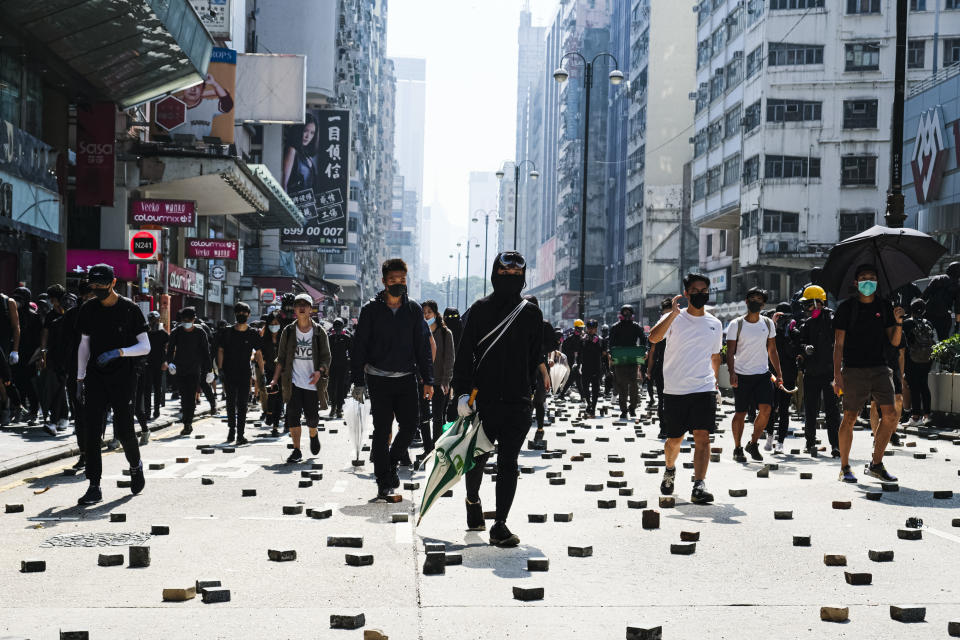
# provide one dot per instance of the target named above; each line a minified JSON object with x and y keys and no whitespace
{"x":471,"y":53}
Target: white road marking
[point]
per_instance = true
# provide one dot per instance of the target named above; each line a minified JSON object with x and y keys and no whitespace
{"x":339,"y":486}
{"x":942,"y":534}
{"x":51,"y":519}
{"x":403,"y":532}
{"x":201,"y":517}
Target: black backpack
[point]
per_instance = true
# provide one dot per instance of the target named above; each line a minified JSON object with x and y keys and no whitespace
{"x":921,"y":340}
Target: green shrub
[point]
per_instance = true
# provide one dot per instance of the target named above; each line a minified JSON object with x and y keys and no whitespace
{"x":947,"y":353}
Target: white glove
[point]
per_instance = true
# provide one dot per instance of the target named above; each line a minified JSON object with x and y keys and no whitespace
{"x":463,"y":407}
{"x":172,"y":369}
{"x":210,"y":377}
{"x":14,"y":357}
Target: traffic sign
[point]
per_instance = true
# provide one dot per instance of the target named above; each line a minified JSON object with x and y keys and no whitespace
{"x":268,"y":296}
{"x":171,"y":112}
{"x":218,"y":272}
{"x":143,"y":245}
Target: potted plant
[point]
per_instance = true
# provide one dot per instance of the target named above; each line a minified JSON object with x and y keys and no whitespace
{"x":943,"y":385}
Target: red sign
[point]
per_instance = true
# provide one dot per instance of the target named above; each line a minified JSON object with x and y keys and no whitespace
{"x":185,"y":281}
{"x":143,"y":245}
{"x":168,"y":213}
{"x":95,"y":154}
{"x":930,"y":155}
{"x":171,"y":112}
{"x":80,"y":261}
{"x":212,"y":249}
{"x":268,"y":296}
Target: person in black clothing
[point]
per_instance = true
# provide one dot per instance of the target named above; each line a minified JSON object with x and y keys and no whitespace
{"x":550,"y":344}
{"x":207,"y":382}
{"x":815,"y":338}
{"x":113,"y":333}
{"x":920,"y":337}
{"x":607,"y":372}
{"x":25,"y":369}
{"x":391,"y":347}
{"x":942,"y":296}
{"x":71,"y":339}
{"x":236,"y":345}
{"x":501,"y":357}
{"x":626,"y":333}
{"x":152,"y":371}
{"x":655,"y":364}
{"x":592,"y":355}
{"x":340,"y":343}
{"x":786,"y":349}
{"x":52,"y":360}
{"x":571,"y":348}
{"x":270,"y":342}
{"x":188,"y":359}
{"x":451,"y":318}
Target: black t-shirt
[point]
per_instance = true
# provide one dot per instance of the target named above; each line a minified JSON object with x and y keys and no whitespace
{"x":113,"y":327}
{"x":237,"y":347}
{"x":865,"y":343}
{"x":53,"y":323}
{"x":158,"y":347}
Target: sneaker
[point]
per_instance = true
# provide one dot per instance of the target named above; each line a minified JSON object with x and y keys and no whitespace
{"x":295,"y":456}
{"x":812,"y":450}
{"x":913,"y":422}
{"x":274,"y":433}
{"x":383,"y":493}
{"x":666,"y":485}
{"x":880,"y":472}
{"x":835,"y":453}
{"x":895,"y":439}
{"x":926,"y":421}
{"x":315,"y":444}
{"x":63,"y":424}
{"x":241,"y":440}
{"x":50,"y":429}
{"x":777,"y":448}
{"x":738,"y":455}
{"x":538,"y":435}
{"x":144,"y":437}
{"x":80,"y":463}
{"x":847,"y":475}
{"x":500,"y":536}
{"x":754,"y":450}
{"x":768,"y":445}
{"x":231,"y":435}
{"x":92,"y":496}
{"x":633,"y":412}
{"x":187,"y":430}
{"x":137,"y":481}
{"x":475,"y":521}
{"x":700,"y":495}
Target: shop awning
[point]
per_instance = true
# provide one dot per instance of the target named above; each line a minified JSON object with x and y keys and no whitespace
{"x":128,"y":51}
{"x":282,"y":212}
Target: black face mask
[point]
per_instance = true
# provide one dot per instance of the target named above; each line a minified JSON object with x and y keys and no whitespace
{"x":100,"y":294}
{"x":753,"y":306}
{"x":698,"y":300}
{"x":242,"y":318}
{"x":507,"y":285}
{"x":397,"y":290}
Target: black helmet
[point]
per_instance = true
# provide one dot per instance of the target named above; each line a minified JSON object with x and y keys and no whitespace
{"x":338,"y":323}
{"x":953,"y":269}
{"x":592,"y":324}
{"x":153,"y":315}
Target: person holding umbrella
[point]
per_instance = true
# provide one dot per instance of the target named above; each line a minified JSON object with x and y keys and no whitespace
{"x":864,"y":324}
{"x":942,"y":296}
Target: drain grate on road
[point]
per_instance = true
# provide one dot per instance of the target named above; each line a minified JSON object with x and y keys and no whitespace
{"x":95,"y":540}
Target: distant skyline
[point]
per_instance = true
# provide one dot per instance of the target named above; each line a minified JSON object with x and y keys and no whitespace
{"x":470,"y":50}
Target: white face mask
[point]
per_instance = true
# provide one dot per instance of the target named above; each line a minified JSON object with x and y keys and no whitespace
{"x":431,"y":321}
{"x":274,"y":328}
{"x":187,"y":325}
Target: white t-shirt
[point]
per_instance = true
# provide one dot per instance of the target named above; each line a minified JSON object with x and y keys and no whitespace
{"x":303,"y":359}
{"x":751,"y":356}
{"x":687,"y":360}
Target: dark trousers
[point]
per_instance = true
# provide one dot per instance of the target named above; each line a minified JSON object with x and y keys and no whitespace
{"x":942,"y":324}
{"x":591,"y":391}
{"x":109,"y":391}
{"x":780,"y":418}
{"x":187,"y":386}
{"x":919,"y":384}
{"x":274,"y":408}
{"x":305,"y":402}
{"x":815,"y":389}
{"x":338,"y":386}
{"x":438,"y":411}
{"x":507,"y":426}
{"x":152,"y":384}
{"x":650,"y":394}
{"x":540,"y":402}
{"x":389,"y":398}
{"x":139,"y":405}
{"x":657,"y":378}
{"x":238,"y":397}
{"x":55,"y":391}
{"x":24,"y":377}
{"x":626,"y":379}
{"x":79,"y":412}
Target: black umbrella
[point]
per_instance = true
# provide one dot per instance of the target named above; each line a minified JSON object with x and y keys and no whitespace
{"x":900,"y":255}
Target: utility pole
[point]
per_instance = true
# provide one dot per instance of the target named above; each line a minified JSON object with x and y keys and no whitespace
{"x":895,"y":216}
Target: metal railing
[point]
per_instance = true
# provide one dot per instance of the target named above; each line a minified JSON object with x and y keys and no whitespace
{"x":942,"y":75}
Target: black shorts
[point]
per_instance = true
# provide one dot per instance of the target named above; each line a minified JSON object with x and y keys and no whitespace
{"x":752,"y":391}
{"x":689,"y":412}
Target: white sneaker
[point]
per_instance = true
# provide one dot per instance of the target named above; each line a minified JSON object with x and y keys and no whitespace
{"x":913,"y":422}
{"x":62,"y":424}
{"x":778,"y":447}
{"x":49,"y":428}
{"x":926,"y":420}
{"x":769,"y":444}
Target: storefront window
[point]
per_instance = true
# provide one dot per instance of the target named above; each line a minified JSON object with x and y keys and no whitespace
{"x":21,"y":89}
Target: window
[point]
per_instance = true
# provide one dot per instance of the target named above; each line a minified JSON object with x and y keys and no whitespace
{"x":859,"y":170}
{"x":722,"y":249}
{"x":783,"y":54}
{"x":700,"y":143}
{"x":734,"y":22}
{"x":952,"y":4}
{"x":853,"y":223}
{"x":715,"y":133}
{"x":776,"y":5}
{"x":713,"y":180}
{"x":918,"y":5}
{"x":863,"y":6}
{"x":751,"y":170}
{"x":951,"y":47}
{"x":703,"y":53}
{"x":755,"y":61}
{"x":731,"y":122}
{"x":716,"y":41}
{"x":703,"y":12}
{"x":716,"y":85}
{"x":791,"y":167}
{"x":859,"y":114}
{"x":731,"y":170}
{"x":734,"y":72}
{"x":699,"y":188}
{"x":780,"y":221}
{"x":793,"y":110}
{"x":709,"y":244}
{"x":751,"y":117}
{"x":754,"y":11}
{"x":749,"y":223}
{"x":863,"y":56}
{"x":916,"y":53}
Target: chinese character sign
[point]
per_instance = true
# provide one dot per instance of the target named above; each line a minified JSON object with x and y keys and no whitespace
{"x":316,"y":177}
{"x":212,"y":249}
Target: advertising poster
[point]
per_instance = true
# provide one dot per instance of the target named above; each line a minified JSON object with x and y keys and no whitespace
{"x":316,"y":176}
{"x":95,"y":154}
{"x":205,"y":109}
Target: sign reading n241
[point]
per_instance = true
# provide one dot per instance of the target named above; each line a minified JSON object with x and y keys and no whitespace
{"x":143,"y":245}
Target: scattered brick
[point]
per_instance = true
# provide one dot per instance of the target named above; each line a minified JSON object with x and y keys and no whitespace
{"x":527,"y":594}
{"x":880,"y":556}
{"x":33,"y":566}
{"x":801,"y":541}
{"x":834,"y":614}
{"x":179,"y":595}
{"x":359,"y":560}
{"x":538,"y":564}
{"x":908,"y":614}
{"x":579,"y":552}
{"x":110,"y":560}
{"x":355,"y":542}
{"x":650,"y":519}
{"x":857,"y":579}
{"x":683,"y":549}
{"x":277,"y":555}
{"x":340,"y":621}
{"x":835,"y":560}
{"x":139,"y":557}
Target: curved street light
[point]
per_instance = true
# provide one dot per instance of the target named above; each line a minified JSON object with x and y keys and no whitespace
{"x":534,"y":175}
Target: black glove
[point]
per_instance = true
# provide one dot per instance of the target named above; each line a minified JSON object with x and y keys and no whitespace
{"x":81,"y":392}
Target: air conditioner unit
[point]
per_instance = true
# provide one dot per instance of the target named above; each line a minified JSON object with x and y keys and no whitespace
{"x":718,"y":72}
{"x":692,"y":95}
{"x":737,"y":54}
{"x":691,"y":140}
{"x":696,"y":8}
{"x":704,"y":86}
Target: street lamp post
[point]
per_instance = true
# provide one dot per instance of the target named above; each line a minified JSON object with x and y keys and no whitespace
{"x":895,"y":216}
{"x":458,"y":272}
{"x":534,"y":174}
{"x":486,"y":238}
{"x":466,"y":285}
{"x":616,"y":77}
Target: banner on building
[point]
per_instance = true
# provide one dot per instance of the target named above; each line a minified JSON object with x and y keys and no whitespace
{"x":95,"y":154}
{"x":316,"y":176}
{"x":205,"y":109}
{"x":166,"y":213}
{"x":185,"y":281}
{"x":212,"y":249}
{"x":273,"y":88}
{"x":215,"y":16}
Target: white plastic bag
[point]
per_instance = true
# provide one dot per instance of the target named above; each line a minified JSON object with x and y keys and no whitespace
{"x":357,"y":415}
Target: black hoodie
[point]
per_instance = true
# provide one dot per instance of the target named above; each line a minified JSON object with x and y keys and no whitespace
{"x":508,"y":371}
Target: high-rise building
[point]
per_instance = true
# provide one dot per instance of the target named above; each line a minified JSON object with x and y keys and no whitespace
{"x":411,"y":76}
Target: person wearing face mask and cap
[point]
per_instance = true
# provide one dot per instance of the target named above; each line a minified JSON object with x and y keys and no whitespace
{"x":188,"y":358}
{"x":501,"y":357}
{"x":25,"y":369}
{"x":273,"y":406}
{"x":815,"y":337}
{"x":113,"y":333}
{"x":626,"y":333}
{"x":340,"y":345}
{"x":391,"y":347}
{"x":236,"y":345}
{"x":152,"y":372}
{"x":920,"y":336}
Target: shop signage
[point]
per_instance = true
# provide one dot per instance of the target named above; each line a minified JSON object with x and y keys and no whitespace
{"x":95,"y":154}
{"x":143,"y":245}
{"x":930,"y":155}
{"x":268,"y":296}
{"x":166,"y":213}
{"x":218,"y":272}
{"x":215,"y":292}
{"x":719,"y":279}
{"x":26,"y":157}
{"x":215,"y":16}
{"x":171,"y":112}
{"x":205,"y":109}
{"x":211,"y":249}
{"x":185,"y":281}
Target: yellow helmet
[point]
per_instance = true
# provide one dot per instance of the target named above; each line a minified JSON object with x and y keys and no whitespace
{"x":814,"y":292}
{"x":578,"y":323}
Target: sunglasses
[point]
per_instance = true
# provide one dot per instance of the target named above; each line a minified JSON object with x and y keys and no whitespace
{"x":511,"y":260}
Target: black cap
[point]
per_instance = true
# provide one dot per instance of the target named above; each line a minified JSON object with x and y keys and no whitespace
{"x":864,"y":268}
{"x":756,"y":290}
{"x":100,"y":274}
{"x":626,"y":307}
{"x":592,"y":323}
{"x":21,"y":293}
